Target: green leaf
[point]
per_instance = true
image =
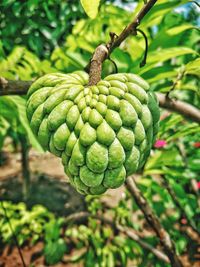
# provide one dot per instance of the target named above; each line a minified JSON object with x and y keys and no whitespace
{"x":164,"y":158}
{"x":153,"y":171}
{"x":193,"y":67}
{"x":54,"y":251}
{"x":178,"y":189}
{"x":77,"y":257}
{"x":111,"y":262}
{"x":189,"y":86}
{"x":169,"y":122}
{"x":181,"y":244}
{"x":160,"y":9}
{"x":189,"y":211}
{"x":168,"y":53}
{"x":165,"y":54}
{"x":179,"y":29}
{"x":185,"y":131}
{"x":76,"y":59}
{"x":20,"y":105}
{"x":91,"y":7}
{"x":52,"y":230}
{"x":90,"y":258}
{"x":4,"y":126}
{"x":161,"y":76}
{"x":194,"y":164}
{"x":159,"y":207}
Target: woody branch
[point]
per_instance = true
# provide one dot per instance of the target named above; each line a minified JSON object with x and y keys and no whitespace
{"x":8,"y":87}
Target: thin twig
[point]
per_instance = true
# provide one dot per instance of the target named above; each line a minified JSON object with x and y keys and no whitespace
{"x":153,"y":221}
{"x":100,"y":55}
{"x":131,"y":29}
{"x":195,"y":2}
{"x":13,"y":234}
{"x":175,"y":83}
{"x":80,"y":216}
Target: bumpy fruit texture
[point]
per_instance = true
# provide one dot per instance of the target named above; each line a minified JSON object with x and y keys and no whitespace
{"x":103,"y":133}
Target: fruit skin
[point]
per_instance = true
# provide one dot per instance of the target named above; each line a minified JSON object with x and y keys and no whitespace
{"x":103,"y":133}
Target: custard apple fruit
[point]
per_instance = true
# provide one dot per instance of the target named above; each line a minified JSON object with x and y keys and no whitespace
{"x":103,"y":133}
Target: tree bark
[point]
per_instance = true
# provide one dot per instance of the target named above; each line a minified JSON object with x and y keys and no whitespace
{"x":176,"y":105}
{"x":25,"y":166}
{"x":153,"y":221}
{"x":12,"y":87}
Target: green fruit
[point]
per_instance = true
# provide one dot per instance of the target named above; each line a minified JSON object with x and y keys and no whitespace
{"x":103,"y":133}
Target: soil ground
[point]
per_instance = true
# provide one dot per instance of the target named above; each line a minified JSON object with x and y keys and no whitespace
{"x":49,"y":186}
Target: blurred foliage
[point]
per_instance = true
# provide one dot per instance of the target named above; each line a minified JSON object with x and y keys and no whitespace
{"x":91,"y":9}
{"x":41,"y":37}
{"x":25,"y":223}
{"x":93,"y":243}
{"x":173,"y":45}
{"x":38,"y":25}
{"x":13,"y":121}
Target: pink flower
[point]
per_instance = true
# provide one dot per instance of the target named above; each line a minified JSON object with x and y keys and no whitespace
{"x":198,"y":185}
{"x":196,"y":144}
{"x":160,"y":144}
{"x":183,"y":221}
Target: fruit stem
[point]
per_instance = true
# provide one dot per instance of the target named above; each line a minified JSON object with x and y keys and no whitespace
{"x":95,"y":66}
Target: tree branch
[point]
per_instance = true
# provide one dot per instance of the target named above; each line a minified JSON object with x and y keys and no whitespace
{"x":131,"y":28}
{"x":9,"y":87}
{"x":80,"y":216}
{"x":153,"y":221}
{"x":181,"y":107}
{"x":100,"y":56}
{"x":13,"y":87}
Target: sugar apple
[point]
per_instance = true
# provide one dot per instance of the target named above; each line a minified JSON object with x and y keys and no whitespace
{"x":103,"y":133}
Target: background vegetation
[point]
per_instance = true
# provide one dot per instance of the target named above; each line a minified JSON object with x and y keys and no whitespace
{"x":38,"y":37}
